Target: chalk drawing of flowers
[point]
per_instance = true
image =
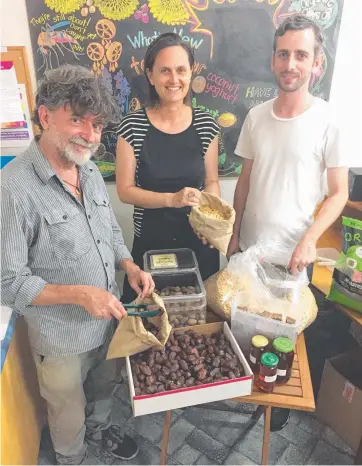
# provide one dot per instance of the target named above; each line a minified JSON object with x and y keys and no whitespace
{"x":124,"y":90}
{"x":107,"y":79}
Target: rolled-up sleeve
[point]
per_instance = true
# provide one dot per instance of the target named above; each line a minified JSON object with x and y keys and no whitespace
{"x":18,"y":286}
{"x":120,"y":249}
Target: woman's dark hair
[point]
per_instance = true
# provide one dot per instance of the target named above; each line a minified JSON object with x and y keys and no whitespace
{"x":298,"y":22}
{"x":168,"y":39}
{"x":77,"y":87}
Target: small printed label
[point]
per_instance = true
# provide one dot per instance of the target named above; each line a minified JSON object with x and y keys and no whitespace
{"x":161,"y":261}
{"x":252,"y":359}
{"x":348,"y":391}
{"x":282,"y":372}
{"x":270,"y":378}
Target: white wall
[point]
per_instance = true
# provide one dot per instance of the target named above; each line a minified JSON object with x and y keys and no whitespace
{"x":345,"y":99}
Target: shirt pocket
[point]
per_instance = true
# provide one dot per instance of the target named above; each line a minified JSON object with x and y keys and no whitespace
{"x":69,"y":234}
{"x":102,"y":212}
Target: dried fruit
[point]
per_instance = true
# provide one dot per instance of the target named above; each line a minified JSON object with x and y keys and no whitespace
{"x":189,"y":359}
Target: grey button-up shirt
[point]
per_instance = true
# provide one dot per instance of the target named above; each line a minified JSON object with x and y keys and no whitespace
{"x":47,"y":236}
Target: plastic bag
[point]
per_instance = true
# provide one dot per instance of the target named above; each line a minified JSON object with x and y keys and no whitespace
{"x":131,"y":337}
{"x":272,"y":292}
{"x":261,"y":287}
{"x":346,"y":286}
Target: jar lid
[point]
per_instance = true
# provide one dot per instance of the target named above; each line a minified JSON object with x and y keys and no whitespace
{"x":282,"y":344}
{"x":269,"y":359}
{"x":259,"y":341}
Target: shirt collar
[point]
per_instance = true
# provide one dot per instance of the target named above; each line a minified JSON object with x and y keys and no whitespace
{"x":43,"y":168}
{"x":41,"y":165}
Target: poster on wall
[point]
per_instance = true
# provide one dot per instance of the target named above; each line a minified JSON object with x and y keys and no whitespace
{"x":15,"y":124}
{"x":232,"y":41}
{"x":11,"y":112}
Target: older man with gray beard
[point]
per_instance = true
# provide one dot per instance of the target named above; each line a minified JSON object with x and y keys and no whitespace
{"x":61,"y":246}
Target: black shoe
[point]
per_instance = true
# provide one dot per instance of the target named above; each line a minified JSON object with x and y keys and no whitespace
{"x":120,"y":446}
{"x":279,"y":418}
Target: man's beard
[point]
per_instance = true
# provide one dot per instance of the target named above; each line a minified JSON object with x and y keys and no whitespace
{"x":291,"y":88}
{"x":68,"y":153}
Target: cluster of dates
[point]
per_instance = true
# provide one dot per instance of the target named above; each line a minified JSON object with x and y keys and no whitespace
{"x":188,"y":359}
{"x":177,"y":291}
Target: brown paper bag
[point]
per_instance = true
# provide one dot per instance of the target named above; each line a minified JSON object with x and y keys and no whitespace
{"x":131,"y":337}
{"x":217,"y":231}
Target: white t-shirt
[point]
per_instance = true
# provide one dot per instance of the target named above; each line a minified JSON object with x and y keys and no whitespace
{"x":290,"y":158}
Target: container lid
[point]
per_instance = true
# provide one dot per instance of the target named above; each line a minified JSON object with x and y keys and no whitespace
{"x":165,"y":260}
{"x":283,"y":345}
{"x":269,"y":359}
{"x":259,"y":341}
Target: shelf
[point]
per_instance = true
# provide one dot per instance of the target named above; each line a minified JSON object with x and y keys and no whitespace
{"x":330,"y":239}
{"x":355,"y":205}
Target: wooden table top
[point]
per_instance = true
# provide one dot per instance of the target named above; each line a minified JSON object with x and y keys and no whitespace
{"x":297,"y":393}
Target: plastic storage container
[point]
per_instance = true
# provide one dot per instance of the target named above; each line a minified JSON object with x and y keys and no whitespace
{"x":184,"y":296}
{"x":166,"y":260}
{"x":244,"y":326}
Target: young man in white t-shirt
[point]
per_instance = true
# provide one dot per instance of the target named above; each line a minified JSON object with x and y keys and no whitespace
{"x":288,"y":144}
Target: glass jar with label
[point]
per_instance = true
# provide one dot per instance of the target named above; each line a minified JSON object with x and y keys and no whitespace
{"x":268,"y":372}
{"x":259,"y":345}
{"x":284,"y":349}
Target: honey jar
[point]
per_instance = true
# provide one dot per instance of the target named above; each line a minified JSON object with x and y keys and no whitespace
{"x":283,"y":348}
{"x":268,"y":372}
{"x":259,"y":345}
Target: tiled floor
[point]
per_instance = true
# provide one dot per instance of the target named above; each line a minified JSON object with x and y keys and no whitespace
{"x":205,"y":436}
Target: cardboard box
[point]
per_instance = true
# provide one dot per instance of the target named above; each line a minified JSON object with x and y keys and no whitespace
{"x":183,"y":397}
{"x":340,"y":396}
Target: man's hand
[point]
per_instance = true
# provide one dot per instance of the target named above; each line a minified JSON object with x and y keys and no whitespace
{"x":304,"y":254}
{"x":233,"y":247}
{"x":140,"y":281}
{"x":100,"y":304}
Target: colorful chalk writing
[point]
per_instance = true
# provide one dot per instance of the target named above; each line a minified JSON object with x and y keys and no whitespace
{"x":213,"y":112}
{"x":222,"y":88}
{"x":324,"y":12}
{"x":140,"y":40}
{"x":137,"y":65}
{"x":257,"y":93}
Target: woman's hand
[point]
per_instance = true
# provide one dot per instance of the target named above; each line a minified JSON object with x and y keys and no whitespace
{"x":203,"y":239}
{"x":187,"y":197}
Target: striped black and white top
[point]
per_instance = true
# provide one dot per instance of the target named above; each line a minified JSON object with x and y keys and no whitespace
{"x":47,"y":236}
{"x":167,"y":162}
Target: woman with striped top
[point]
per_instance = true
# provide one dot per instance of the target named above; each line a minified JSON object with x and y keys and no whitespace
{"x":167,"y":153}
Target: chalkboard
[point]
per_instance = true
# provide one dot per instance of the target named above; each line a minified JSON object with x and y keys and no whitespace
{"x":232,"y":40}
